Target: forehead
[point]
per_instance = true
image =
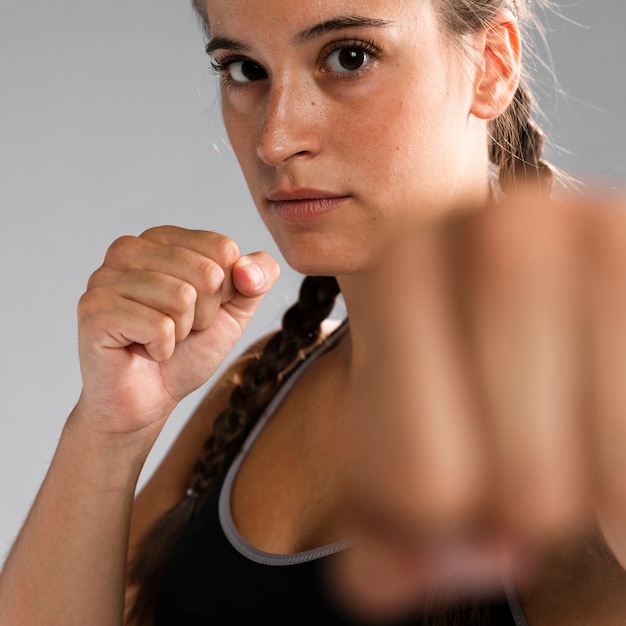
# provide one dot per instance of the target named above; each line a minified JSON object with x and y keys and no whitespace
{"x":272,"y":18}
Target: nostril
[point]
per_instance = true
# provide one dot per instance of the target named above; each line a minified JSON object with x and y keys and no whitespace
{"x":281,"y":148}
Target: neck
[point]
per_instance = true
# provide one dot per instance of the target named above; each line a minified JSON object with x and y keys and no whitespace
{"x":384,"y":296}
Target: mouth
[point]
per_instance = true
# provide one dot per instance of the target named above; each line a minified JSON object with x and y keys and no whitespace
{"x":301,"y":205}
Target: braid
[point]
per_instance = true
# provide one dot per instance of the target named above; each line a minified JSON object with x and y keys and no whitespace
{"x":259,"y":381}
{"x":301,"y":329}
{"x":517,"y":146}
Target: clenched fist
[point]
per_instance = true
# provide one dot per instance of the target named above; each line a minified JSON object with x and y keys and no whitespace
{"x":157,"y":320}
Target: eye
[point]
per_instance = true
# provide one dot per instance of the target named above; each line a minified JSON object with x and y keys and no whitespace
{"x":239,"y":71}
{"x":348,"y":59}
{"x":245,"y":71}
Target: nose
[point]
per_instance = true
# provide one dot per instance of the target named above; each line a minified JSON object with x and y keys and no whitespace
{"x":290,"y":124}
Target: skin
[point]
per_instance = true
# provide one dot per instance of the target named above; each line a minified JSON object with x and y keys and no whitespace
{"x":404,"y":433}
{"x":400,"y":122}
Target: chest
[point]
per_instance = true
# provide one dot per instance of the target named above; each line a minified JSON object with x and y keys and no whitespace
{"x":292,"y":490}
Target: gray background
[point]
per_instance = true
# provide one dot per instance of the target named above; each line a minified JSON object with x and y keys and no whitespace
{"x":109,"y":125}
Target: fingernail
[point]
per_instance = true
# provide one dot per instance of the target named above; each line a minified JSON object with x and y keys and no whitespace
{"x":257,"y":274}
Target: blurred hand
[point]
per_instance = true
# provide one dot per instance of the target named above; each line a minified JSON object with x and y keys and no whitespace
{"x":495,"y":422}
{"x":157,"y":320}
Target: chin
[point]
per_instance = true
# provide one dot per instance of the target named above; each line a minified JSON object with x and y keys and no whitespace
{"x":315,"y":267}
{"x":327,"y":253}
{"x":325,"y":265}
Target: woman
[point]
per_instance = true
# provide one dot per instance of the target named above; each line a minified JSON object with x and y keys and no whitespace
{"x":443,"y":429}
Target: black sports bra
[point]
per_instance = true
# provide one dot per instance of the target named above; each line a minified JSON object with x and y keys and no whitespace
{"x":215,"y":577}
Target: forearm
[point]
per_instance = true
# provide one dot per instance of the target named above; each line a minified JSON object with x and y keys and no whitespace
{"x":68,"y":564}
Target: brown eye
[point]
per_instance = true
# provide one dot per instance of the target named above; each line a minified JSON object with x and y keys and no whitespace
{"x":347,"y":59}
{"x":245,"y":71}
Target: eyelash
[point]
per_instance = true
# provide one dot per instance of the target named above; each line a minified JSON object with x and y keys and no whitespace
{"x":221,"y":66}
{"x":367,"y":46}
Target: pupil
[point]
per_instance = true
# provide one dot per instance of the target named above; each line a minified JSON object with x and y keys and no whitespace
{"x":351,"y":58}
{"x":251,"y":70}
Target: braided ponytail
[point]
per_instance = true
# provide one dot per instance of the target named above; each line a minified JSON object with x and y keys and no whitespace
{"x":259,"y":381}
{"x":517,"y":146}
{"x":516,"y":139}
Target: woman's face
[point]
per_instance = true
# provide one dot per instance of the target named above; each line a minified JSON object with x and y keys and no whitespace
{"x":351,"y":121}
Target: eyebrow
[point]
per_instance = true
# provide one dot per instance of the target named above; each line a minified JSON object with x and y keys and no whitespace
{"x":338,"y":23}
{"x":334,"y":24}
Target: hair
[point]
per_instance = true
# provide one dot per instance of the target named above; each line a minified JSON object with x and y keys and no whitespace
{"x":516,"y":146}
{"x":517,"y":141}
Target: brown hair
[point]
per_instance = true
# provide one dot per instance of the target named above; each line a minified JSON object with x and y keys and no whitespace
{"x":517,"y":141}
{"x":516,"y":149}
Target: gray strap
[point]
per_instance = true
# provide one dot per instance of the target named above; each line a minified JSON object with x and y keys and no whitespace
{"x":225,"y":514}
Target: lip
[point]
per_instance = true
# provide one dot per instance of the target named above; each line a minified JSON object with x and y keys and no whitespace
{"x":303,"y":205}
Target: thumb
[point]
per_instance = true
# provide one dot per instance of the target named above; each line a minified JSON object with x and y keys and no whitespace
{"x":253,"y":275}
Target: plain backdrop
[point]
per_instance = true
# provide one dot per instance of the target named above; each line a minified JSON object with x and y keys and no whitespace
{"x":109,"y":124}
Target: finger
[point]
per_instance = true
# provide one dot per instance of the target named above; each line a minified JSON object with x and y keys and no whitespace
{"x":206,"y":276}
{"x":253,"y":275}
{"x":113,"y":322}
{"x":217,"y":247}
{"x":427,"y":431}
{"x":162,"y":292}
{"x":607,"y":305}
{"x":522,"y":297}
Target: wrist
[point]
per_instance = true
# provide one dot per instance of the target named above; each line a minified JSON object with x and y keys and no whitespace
{"x":116,"y":456}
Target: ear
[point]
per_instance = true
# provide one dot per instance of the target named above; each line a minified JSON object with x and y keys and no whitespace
{"x":498,"y":66}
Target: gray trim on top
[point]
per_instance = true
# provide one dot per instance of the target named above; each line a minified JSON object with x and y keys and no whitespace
{"x":225,"y":513}
{"x":513,"y":599}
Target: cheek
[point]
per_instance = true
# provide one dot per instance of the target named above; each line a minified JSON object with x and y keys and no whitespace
{"x":241,"y":135}
{"x":393,"y":143}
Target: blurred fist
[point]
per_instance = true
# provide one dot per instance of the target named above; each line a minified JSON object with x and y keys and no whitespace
{"x":493,"y":421}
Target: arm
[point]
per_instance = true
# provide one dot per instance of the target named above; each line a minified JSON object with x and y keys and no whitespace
{"x":157,"y":319}
{"x":67,"y":565}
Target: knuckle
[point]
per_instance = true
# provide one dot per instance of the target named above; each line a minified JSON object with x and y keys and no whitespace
{"x":210,"y":275}
{"x":101,"y":277}
{"x":185,"y":297}
{"x":83,"y":308}
{"x":157,"y":233}
{"x":91,"y":300}
{"x":94,"y":279}
{"x":120,"y":247}
{"x":163,"y":329}
{"x":92,"y":305}
{"x":226,"y":251}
